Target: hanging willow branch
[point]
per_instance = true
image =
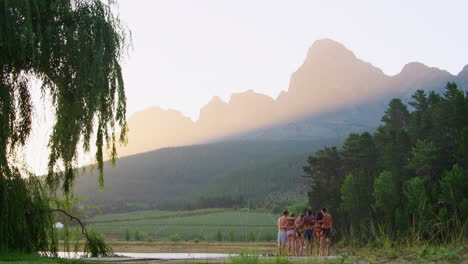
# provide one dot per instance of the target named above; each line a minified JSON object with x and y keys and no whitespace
{"x":74,"y":48}
{"x":95,"y":244}
{"x":83,"y":228}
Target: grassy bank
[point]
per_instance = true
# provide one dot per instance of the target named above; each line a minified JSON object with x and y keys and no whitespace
{"x":449,"y":254}
{"x":419,"y":255}
{"x":18,"y":258}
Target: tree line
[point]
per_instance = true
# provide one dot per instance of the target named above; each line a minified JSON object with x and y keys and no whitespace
{"x":408,"y":180}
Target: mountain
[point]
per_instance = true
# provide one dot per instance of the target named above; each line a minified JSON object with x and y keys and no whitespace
{"x":154,"y":128}
{"x":257,"y":144}
{"x":332,"y":93}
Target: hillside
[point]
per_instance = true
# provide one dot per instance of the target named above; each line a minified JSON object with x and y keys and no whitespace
{"x":255,"y":185}
{"x":166,"y":177}
{"x":332,"y":93}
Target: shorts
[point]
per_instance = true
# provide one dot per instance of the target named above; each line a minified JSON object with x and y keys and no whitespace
{"x":309,"y":234}
{"x":291,"y":232}
{"x":326,"y":232}
{"x":282,"y":236}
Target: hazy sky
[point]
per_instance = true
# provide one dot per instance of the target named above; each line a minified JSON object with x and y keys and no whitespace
{"x":185,"y":52}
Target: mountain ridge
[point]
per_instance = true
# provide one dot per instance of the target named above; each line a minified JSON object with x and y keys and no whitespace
{"x":330,"y":78}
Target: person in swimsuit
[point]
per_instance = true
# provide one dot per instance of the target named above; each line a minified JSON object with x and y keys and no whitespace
{"x":282,"y":237}
{"x":309,"y":221}
{"x":291,"y":234}
{"x":300,"y":229}
{"x":327,"y":227}
{"x":318,"y":233}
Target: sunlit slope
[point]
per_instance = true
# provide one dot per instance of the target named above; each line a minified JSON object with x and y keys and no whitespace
{"x":332,"y":92}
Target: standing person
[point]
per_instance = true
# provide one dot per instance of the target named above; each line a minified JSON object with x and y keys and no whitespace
{"x":282,"y":224}
{"x":309,"y":221}
{"x":318,"y":233}
{"x":291,"y":234}
{"x":300,"y":229}
{"x":327,"y":226}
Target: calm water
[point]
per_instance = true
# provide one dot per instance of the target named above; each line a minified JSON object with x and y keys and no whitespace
{"x":155,"y":255}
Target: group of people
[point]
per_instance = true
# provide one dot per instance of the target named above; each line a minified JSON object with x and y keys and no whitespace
{"x":309,"y":232}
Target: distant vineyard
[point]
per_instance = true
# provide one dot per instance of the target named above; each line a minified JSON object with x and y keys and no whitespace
{"x":209,"y":224}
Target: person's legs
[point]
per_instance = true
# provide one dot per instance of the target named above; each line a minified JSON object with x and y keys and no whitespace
{"x":300,"y":245}
{"x":318,"y":242}
{"x":322,"y":245}
{"x":295,"y":248}
{"x":281,"y":242}
{"x":290,"y":240}
{"x":308,"y":236}
{"x":327,"y":242}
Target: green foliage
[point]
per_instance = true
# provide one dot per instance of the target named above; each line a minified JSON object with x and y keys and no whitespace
{"x":252,"y":258}
{"x":95,"y":245}
{"x":245,"y":259}
{"x":352,"y":204}
{"x":325,"y":171}
{"x":127,"y":235}
{"x":73,"y":49}
{"x":422,"y":160}
{"x":454,"y":186}
{"x":26,"y":223}
{"x":219,"y":235}
{"x":22,"y":258}
{"x":416,"y":196}
{"x":137,"y":235}
{"x":232,"y":235}
{"x":175,"y":237}
{"x":405,"y":182}
{"x":386,"y":193}
{"x":251,"y":236}
{"x":298,"y":207}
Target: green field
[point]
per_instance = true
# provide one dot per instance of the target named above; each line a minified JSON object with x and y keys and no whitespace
{"x":206,"y":224}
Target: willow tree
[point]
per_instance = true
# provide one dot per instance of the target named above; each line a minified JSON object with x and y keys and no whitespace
{"x":73,"y":47}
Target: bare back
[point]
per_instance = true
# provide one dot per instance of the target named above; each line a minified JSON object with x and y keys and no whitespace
{"x":327,"y":221}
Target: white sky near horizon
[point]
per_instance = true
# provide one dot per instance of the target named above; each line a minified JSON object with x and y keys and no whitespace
{"x":185,"y":52}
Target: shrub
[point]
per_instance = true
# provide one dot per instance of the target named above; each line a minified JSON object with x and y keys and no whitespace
{"x":174,"y":237}
{"x":137,"y":235}
{"x":96,"y":246}
{"x":232,"y":235}
{"x":127,"y":235}
{"x":219,"y":235}
{"x":251,"y":236}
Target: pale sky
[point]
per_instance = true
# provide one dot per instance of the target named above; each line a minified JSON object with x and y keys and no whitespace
{"x":186,"y":51}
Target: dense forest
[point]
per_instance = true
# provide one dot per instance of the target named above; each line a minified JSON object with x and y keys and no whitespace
{"x":407,"y":181}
